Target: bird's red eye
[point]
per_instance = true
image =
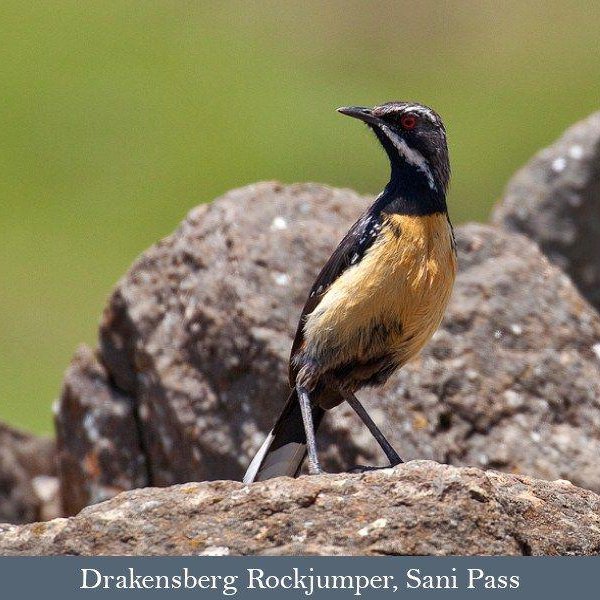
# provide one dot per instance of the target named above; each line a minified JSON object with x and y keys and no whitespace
{"x":408,"y":121}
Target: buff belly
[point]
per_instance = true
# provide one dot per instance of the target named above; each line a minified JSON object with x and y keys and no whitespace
{"x":381,"y":312}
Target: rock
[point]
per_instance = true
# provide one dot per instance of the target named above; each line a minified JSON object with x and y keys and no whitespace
{"x":555,"y":200}
{"x":417,"y":508}
{"x":197,"y":335}
{"x":99,"y":451}
{"x":199,"y":329}
{"x":512,"y":378}
{"x":28,"y":482}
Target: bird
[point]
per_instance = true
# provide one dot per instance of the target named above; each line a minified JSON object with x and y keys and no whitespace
{"x":380,"y":296}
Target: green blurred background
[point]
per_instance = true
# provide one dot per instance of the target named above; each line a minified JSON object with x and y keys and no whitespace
{"x":117,"y":117}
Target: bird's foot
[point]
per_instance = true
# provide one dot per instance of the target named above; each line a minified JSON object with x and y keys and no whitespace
{"x":367,"y":468}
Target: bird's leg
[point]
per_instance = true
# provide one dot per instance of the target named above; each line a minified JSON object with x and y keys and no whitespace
{"x":359,"y":409}
{"x":314,"y":468}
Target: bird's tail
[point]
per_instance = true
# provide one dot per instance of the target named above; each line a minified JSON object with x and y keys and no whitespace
{"x":283,"y":452}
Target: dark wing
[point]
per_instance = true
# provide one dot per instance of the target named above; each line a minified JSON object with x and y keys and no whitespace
{"x":350,"y":250}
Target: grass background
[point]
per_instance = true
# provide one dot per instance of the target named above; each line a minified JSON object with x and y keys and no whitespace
{"x":119,"y":116}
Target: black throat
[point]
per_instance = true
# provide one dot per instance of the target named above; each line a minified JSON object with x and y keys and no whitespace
{"x":409,"y":193}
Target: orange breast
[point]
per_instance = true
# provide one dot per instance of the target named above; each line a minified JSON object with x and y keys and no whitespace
{"x":401,"y":287}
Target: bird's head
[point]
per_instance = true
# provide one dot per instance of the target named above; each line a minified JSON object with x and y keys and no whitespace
{"x":414,"y":138}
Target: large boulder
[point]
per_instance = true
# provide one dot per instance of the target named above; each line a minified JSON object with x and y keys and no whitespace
{"x":28,"y":482}
{"x":418,"y":508}
{"x":512,"y":378}
{"x":197,"y":334}
{"x":199,"y":330}
{"x":194,"y":342}
{"x":555,"y":200}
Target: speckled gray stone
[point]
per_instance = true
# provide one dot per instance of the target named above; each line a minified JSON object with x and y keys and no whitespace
{"x":555,"y":200}
{"x":199,"y":329}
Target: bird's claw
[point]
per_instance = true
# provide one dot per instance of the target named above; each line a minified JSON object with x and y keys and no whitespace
{"x":367,"y":468}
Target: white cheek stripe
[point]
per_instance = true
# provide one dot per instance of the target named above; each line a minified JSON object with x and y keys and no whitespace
{"x":412,"y":156}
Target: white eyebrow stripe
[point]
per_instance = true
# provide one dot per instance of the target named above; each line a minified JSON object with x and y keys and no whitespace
{"x":412,"y":156}
{"x":416,"y":108}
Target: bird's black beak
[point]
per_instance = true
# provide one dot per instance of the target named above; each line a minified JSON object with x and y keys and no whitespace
{"x":360,"y":112}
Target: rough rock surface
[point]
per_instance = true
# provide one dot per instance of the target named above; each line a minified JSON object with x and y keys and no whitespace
{"x":28,"y":482}
{"x":555,"y":200}
{"x":197,"y":336}
{"x":512,"y":378}
{"x":99,"y":452}
{"x":416,"y":508}
{"x":199,"y":329}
